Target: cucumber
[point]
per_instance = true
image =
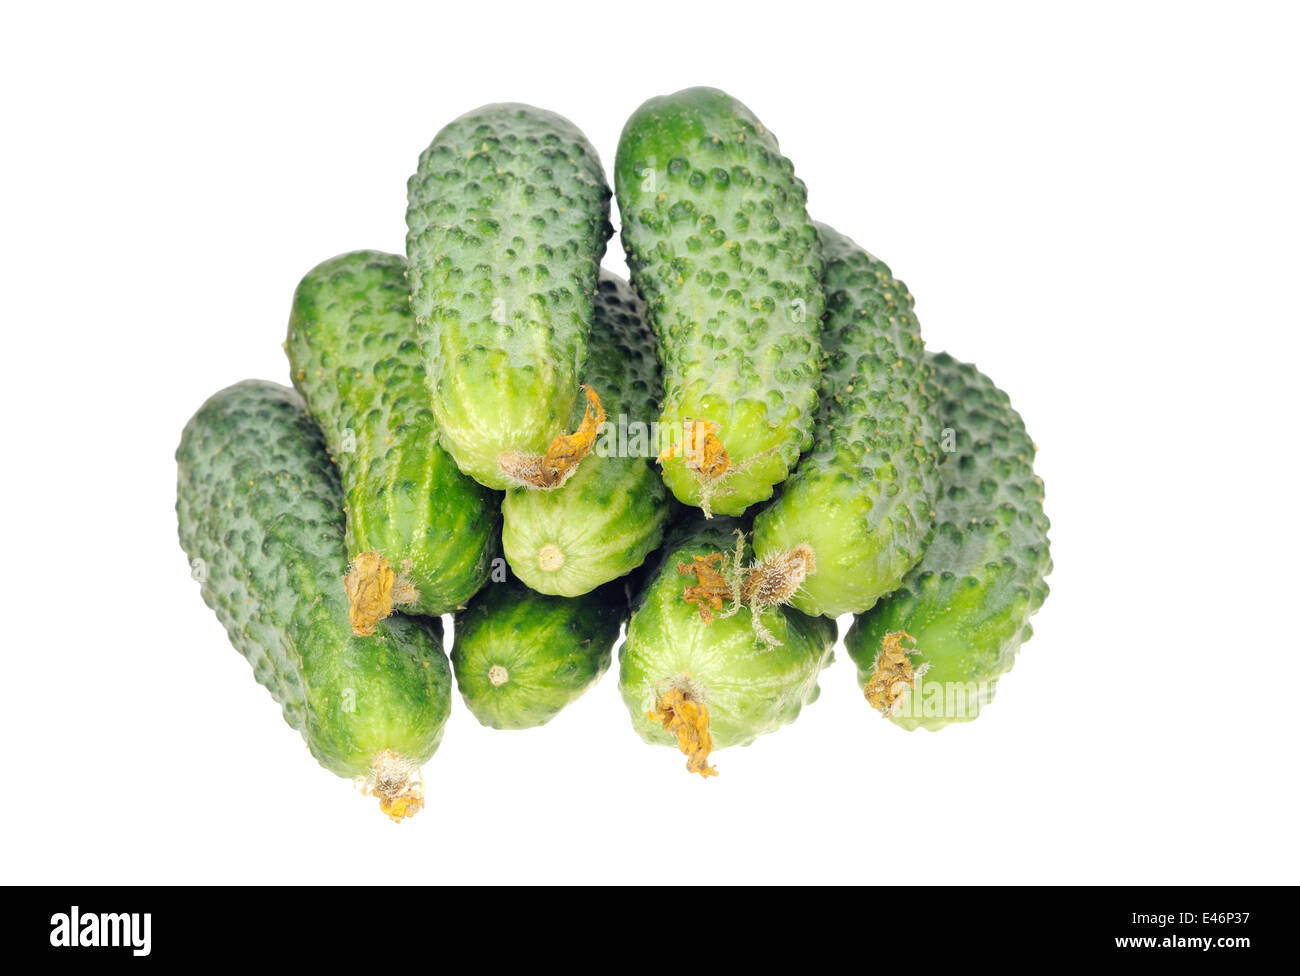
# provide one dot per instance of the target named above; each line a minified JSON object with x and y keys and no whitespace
{"x":720,"y":247}
{"x":611,"y":514}
{"x":963,"y":612}
{"x":260,"y":511}
{"x":699,"y":680}
{"x":419,"y":532}
{"x":521,"y":656}
{"x":863,"y":498}
{"x":507,"y":217}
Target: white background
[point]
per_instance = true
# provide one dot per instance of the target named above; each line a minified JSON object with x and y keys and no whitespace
{"x":1098,"y":207}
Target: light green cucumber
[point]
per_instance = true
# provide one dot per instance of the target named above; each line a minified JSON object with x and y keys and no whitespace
{"x":863,"y":498}
{"x":672,"y":659}
{"x":610,"y":515}
{"x":520,"y":656}
{"x":507,"y":219}
{"x":720,"y":247}
{"x":355,"y":357}
{"x":260,"y":511}
{"x":965,"y":608}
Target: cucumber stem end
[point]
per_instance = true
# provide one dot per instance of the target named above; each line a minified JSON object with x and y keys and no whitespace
{"x":550,"y":558}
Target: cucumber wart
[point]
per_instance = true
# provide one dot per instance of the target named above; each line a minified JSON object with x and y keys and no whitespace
{"x":260,"y":513}
{"x":420,"y":533}
{"x":507,"y":218}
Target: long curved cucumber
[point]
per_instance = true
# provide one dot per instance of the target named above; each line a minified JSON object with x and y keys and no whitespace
{"x":417,"y":528}
{"x":704,"y":685}
{"x":931,"y":653}
{"x":863,"y":498}
{"x":520,"y":656}
{"x":720,"y":247}
{"x":507,"y":218}
{"x":260,"y":513}
{"x":611,"y":513}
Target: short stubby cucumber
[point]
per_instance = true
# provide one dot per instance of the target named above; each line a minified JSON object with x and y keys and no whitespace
{"x":720,"y":247}
{"x":420,"y":534}
{"x":507,"y":218}
{"x":260,"y":510}
{"x":703,"y":681}
{"x":611,"y":513}
{"x":521,"y":656}
{"x":863,"y":498}
{"x":931,"y":653}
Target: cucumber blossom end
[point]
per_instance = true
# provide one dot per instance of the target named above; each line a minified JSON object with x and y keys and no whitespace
{"x":724,"y":578}
{"x":893,"y":676}
{"x":397,"y":783}
{"x":551,"y":470}
{"x":681,"y":712}
{"x":373,"y":589}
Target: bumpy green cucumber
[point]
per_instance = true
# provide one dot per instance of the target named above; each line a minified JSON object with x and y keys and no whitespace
{"x":715,"y":684}
{"x":260,"y":511}
{"x":720,"y":247}
{"x":610,"y":515}
{"x":508,"y":217}
{"x":963,"y":612}
{"x":429,"y":530}
{"x":521,"y":656}
{"x":863,"y":498}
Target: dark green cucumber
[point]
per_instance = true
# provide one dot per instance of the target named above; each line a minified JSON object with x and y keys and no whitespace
{"x":521,"y":656}
{"x":507,"y":217}
{"x":610,"y":515}
{"x":260,"y":511}
{"x":863,"y":498}
{"x":747,"y":687}
{"x":355,"y":357}
{"x":965,"y":608}
{"x":720,"y":247}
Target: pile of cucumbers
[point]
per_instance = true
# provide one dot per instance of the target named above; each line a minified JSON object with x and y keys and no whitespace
{"x":714,"y":460}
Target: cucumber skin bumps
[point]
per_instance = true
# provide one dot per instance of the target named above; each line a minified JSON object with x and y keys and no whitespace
{"x":507,"y":220}
{"x":722,"y":251}
{"x":260,"y":515}
{"x":931,"y":653}
{"x":863,"y":497}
